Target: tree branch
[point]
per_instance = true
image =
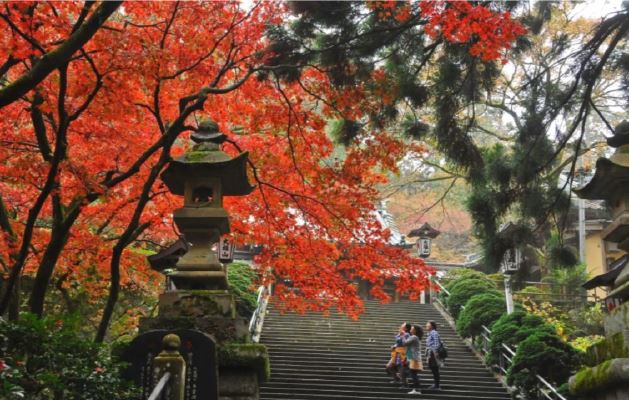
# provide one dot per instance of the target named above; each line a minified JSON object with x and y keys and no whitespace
{"x":59,"y":56}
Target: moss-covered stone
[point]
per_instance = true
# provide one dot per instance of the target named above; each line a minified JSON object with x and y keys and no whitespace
{"x":197,"y":303}
{"x":617,"y":320}
{"x":196,"y":156}
{"x":607,"y":375}
{"x":224,"y":330}
{"x":606,"y":349}
{"x":252,"y":355}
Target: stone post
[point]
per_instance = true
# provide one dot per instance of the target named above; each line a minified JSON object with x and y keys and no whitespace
{"x":508,"y":294}
{"x":169,"y":360}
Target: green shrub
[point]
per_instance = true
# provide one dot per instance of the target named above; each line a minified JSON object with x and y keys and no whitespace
{"x":463,"y":290}
{"x":588,"y":321}
{"x":481,"y":309}
{"x":241,"y":278}
{"x":10,"y":378}
{"x":513,"y":328}
{"x":543,"y":354}
{"x":46,"y":360}
{"x":457,"y":275}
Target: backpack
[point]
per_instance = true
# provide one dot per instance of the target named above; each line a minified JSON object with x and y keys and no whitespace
{"x":442,"y":350}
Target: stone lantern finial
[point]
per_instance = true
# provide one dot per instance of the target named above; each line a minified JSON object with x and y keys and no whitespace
{"x":207,"y":132}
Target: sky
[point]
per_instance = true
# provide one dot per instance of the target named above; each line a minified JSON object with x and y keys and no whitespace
{"x":597,"y":8}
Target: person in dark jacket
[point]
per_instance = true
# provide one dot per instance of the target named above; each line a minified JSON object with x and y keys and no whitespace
{"x":433,"y":341}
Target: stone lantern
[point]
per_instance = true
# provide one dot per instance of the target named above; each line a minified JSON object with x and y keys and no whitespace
{"x":425,"y":233}
{"x":511,"y":263}
{"x":198,"y":305}
{"x":203,"y":176}
{"x":607,"y":373}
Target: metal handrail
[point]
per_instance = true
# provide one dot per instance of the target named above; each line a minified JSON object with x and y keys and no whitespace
{"x":257,"y":319}
{"x":508,"y":349}
{"x":486,"y":339}
{"x":161,"y":385}
{"x":443,"y":289}
{"x":550,"y":388}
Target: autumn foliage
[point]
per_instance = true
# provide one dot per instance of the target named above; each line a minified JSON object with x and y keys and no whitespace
{"x":81,"y":200}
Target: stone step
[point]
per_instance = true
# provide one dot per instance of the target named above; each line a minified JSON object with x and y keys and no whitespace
{"x":367,"y":369}
{"x":381,"y":346}
{"x":277,"y":394}
{"x":334,"y":358}
{"x":287,"y":374}
{"x":349,"y":353}
{"x":364,"y":388}
{"x":470,"y":365}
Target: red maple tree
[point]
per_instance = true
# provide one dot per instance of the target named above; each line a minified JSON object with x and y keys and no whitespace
{"x":96,"y":99}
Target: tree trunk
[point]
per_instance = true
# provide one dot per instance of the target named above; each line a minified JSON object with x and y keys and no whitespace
{"x":58,"y":240}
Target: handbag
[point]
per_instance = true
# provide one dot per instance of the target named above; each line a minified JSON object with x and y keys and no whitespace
{"x":416,"y":365}
{"x":396,"y":354}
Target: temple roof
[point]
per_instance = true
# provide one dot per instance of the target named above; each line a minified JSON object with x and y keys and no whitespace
{"x":609,"y":277}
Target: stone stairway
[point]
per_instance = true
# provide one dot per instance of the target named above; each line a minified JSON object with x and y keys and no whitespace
{"x":335,"y":358}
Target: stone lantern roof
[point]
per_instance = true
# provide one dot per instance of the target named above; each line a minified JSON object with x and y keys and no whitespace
{"x":612,"y":174}
{"x":424,"y":231}
{"x":205,"y":159}
{"x":611,"y":183}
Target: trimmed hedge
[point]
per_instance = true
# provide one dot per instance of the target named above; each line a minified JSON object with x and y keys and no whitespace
{"x":464,"y":289}
{"x":543,"y":354}
{"x":241,"y":278}
{"x":511,"y":329}
{"x":481,"y":309}
{"x":457,"y":275}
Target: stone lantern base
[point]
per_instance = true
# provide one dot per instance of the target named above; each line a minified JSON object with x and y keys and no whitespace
{"x":242,"y":365}
{"x":607,"y":374}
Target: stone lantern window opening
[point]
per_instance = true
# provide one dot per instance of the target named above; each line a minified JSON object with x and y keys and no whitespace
{"x":203,"y":192}
{"x":511,"y":261}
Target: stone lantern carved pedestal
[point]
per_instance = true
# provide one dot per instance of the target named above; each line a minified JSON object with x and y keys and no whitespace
{"x":607,"y":374}
{"x":198,"y":296}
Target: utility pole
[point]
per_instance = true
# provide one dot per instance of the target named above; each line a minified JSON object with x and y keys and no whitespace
{"x":581,"y":205}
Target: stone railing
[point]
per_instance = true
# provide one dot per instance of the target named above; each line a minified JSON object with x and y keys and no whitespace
{"x":545,"y":391}
{"x":257,"y":319}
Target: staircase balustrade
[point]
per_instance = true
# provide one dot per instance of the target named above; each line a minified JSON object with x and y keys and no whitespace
{"x":257,"y":319}
{"x":545,"y":391}
{"x":159,"y":392}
